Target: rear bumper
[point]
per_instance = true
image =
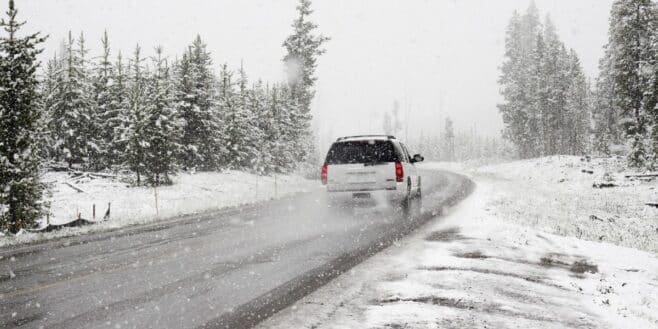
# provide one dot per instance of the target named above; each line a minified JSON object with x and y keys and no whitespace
{"x":390,"y":187}
{"x":356,"y":190}
{"x":396,"y":193}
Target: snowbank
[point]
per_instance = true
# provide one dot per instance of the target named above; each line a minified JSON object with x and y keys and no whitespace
{"x":190,"y":193}
{"x":556,"y":195}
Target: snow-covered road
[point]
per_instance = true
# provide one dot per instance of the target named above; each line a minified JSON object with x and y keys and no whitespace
{"x":231,"y":268}
{"x":471,"y":269}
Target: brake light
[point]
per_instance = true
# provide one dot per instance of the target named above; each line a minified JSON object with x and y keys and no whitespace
{"x":399,"y":172}
{"x":323,"y":175}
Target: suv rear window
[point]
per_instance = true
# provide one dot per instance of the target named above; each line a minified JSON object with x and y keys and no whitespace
{"x":372,"y":151}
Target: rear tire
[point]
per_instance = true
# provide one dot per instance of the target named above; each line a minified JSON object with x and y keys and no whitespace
{"x":419,"y":197}
{"x":406,"y":202}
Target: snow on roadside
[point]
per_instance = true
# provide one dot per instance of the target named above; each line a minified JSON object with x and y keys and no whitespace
{"x":471,"y":269}
{"x":190,"y":193}
{"x":556,"y":195}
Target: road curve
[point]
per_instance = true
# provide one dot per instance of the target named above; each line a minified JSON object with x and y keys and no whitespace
{"x":227,"y":269}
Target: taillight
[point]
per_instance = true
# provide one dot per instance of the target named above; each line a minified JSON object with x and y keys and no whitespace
{"x":323,"y":175}
{"x":399,"y":172}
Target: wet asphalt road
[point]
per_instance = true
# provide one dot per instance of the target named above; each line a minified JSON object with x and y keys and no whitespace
{"x":227,"y":269}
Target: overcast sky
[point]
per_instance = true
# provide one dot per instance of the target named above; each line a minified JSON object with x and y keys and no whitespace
{"x":437,"y":57}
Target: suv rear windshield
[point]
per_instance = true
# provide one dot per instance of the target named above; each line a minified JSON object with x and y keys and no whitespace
{"x":372,"y":151}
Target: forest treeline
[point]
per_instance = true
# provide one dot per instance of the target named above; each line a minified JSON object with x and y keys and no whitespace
{"x":146,"y":113}
{"x":551,"y":108}
{"x":448,"y":143}
{"x":154,"y":115}
{"x":547,"y":97}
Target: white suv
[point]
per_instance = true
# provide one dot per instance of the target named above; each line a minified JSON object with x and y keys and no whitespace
{"x":364,"y":166}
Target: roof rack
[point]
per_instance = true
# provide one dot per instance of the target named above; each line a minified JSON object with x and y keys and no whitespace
{"x":363,"y":136}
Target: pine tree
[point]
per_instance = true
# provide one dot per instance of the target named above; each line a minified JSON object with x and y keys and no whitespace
{"x":48,"y":92}
{"x":70,"y":116}
{"x":397,"y":124}
{"x":632,"y":24}
{"x":282,"y":155}
{"x":196,"y":100}
{"x":295,"y":127}
{"x":553,"y":119}
{"x":449,"y":141}
{"x":605,"y":114}
{"x":537,"y":128}
{"x":387,"y":124}
{"x":105,"y":116}
{"x":258,"y":103}
{"x":652,"y":104}
{"x":513,"y":84}
{"x":161,"y":124}
{"x":20,"y":189}
{"x":137,"y":139}
{"x":577,"y":108}
{"x":117,"y":120}
{"x":303,"y":47}
{"x":91,"y":155}
{"x":247,"y":122}
{"x":391,"y":123}
{"x":232,"y":119}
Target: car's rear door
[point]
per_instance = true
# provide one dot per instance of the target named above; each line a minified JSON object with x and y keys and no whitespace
{"x":363,"y":165}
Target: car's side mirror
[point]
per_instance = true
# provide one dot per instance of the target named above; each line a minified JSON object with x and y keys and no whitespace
{"x":417,"y":158}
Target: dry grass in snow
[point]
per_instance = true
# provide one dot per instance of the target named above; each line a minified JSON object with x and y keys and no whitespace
{"x":556,"y":195}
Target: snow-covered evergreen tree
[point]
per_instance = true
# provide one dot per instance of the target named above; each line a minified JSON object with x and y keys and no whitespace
{"x":20,"y":188}
{"x":71,"y":108}
{"x":606,"y":117}
{"x":577,"y":108}
{"x":48,"y":92}
{"x":196,"y":100}
{"x":555,"y":71}
{"x":233,"y":119}
{"x":115,"y":127}
{"x":387,"y":124}
{"x":652,"y":106}
{"x":632,"y":25}
{"x":259,"y":110}
{"x":283,"y":157}
{"x":303,"y":48}
{"x":391,"y":123}
{"x":105,"y":115}
{"x":161,"y":127}
{"x":538,"y":90}
{"x":514,"y":109}
{"x":449,"y":140}
{"x":137,"y":139}
{"x":91,"y":129}
{"x":244,"y":133}
{"x":294,"y":124}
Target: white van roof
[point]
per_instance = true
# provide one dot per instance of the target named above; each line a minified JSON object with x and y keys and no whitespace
{"x":364,"y":137}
